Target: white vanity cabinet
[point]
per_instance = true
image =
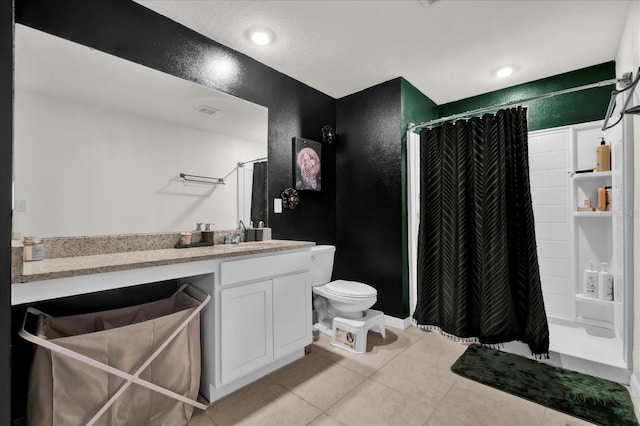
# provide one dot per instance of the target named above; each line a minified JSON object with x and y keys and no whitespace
{"x":263,"y":317}
{"x":246,"y":330}
{"x":259,"y":317}
{"x":291,"y":318}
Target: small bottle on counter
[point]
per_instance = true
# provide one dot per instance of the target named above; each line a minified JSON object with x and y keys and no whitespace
{"x":33,"y":249}
{"x":185,"y":238}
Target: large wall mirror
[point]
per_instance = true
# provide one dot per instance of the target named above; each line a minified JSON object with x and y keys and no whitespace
{"x":100,"y":143}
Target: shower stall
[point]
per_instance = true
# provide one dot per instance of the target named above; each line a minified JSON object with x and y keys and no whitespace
{"x":587,"y":334}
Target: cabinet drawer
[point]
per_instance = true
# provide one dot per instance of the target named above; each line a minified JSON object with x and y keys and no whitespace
{"x":262,"y":267}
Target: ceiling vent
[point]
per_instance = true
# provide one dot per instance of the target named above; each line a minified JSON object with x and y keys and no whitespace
{"x":207,"y":110}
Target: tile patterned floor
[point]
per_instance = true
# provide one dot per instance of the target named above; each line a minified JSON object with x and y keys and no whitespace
{"x":402,"y":380}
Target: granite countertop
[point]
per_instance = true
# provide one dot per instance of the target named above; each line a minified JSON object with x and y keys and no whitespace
{"x":94,"y":264}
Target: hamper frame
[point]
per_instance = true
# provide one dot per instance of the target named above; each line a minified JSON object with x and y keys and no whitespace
{"x":128,"y":377}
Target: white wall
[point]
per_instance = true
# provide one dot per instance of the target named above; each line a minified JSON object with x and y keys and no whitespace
{"x":628,"y":59}
{"x":87,"y":170}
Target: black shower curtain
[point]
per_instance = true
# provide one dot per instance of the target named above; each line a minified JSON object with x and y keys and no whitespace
{"x":259,"y":209}
{"x":478,"y":271}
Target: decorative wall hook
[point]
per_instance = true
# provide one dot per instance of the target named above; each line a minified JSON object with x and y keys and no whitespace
{"x":290,"y":198}
{"x":328,"y":135}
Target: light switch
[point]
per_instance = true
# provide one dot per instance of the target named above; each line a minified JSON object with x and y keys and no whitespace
{"x":277,"y":205}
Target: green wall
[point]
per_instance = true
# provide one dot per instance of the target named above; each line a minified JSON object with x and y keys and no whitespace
{"x":414,"y":108}
{"x":572,"y":108}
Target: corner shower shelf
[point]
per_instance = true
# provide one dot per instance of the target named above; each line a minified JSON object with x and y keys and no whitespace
{"x":592,"y":214}
{"x":591,"y":175}
{"x":581,"y":296}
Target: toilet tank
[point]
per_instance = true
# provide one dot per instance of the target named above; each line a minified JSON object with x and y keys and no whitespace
{"x":321,"y":264}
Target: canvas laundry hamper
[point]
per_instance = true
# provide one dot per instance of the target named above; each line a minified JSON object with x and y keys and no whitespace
{"x":138,"y":365}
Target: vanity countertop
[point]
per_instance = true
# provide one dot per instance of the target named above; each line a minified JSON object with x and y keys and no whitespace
{"x":94,"y":264}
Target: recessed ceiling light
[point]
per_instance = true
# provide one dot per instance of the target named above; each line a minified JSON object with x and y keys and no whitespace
{"x":261,"y":37}
{"x":504,"y":72}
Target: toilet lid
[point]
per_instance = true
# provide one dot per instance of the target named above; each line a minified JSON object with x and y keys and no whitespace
{"x":350,"y":289}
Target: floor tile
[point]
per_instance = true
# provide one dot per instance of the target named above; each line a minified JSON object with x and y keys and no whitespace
{"x":420,"y":380}
{"x":264,"y":404}
{"x":379,"y":351}
{"x":556,"y":418}
{"x":404,"y":379}
{"x":470,"y":403}
{"x":436,"y":349}
{"x":200,"y":418}
{"x":295,"y":367}
{"x":374,"y":404}
{"x":319,"y":381}
{"x":325,"y":420}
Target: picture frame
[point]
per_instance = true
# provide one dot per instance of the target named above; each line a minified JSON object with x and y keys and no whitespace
{"x":307,"y":164}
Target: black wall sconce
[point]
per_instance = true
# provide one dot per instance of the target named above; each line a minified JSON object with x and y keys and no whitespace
{"x":328,"y":135}
{"x":290,"y":198}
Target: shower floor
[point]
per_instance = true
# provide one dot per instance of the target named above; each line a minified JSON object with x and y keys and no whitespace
{"x":595,"y":344}
{"x":595,"y":351}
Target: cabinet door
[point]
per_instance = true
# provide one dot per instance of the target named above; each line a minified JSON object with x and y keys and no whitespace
{"x":246,"y":329}
{"x":291,"y":314}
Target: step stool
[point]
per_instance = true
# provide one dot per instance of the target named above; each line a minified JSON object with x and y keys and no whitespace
{"x":351,"y":334}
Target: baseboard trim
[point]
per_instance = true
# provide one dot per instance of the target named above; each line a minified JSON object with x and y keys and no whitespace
{"x":399,"y":323}
{"x":635,"y":391}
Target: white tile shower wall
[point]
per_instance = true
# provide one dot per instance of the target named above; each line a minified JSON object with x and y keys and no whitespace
{"x":549,"y":194}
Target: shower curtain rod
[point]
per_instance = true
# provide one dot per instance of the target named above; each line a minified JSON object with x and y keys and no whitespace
{"x":242,"y":163}
{"x":625,"y":80}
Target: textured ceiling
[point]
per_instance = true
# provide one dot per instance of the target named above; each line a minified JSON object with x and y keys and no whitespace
{"x":449,"y":49}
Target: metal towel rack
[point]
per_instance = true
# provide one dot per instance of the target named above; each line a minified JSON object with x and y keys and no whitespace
{"x":630,"y":84}
{"x":202,"y":179}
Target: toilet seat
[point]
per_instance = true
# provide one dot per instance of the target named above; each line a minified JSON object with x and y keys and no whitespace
{"x":350,"y":289}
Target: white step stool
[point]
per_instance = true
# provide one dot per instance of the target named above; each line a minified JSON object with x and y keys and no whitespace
{"x":351,"y":334}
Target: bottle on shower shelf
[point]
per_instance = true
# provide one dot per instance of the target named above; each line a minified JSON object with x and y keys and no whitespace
{"x":602,"y":199}
{"x":590,"y":282}
{"x":603,"y":157}
{"x":605,"y":284}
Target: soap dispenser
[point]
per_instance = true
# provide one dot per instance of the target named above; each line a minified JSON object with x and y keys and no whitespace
{"x":605,"y":284}
{"x":590,"y":282}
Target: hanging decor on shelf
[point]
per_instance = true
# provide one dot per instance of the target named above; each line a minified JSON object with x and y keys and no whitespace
{"x":328,"y":135}
{"x":290,"y":198}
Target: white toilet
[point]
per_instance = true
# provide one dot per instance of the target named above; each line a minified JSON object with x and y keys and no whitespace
{"x":342,"y":307}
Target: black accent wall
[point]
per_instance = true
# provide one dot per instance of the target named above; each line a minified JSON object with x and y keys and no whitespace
{"x":6,"y":159}
{"x":369,"y":192}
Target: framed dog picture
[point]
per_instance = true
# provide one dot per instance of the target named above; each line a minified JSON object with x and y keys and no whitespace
{"x":306,"y":164}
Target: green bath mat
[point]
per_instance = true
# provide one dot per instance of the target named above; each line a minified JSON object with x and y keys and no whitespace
{"x":590,"y":398}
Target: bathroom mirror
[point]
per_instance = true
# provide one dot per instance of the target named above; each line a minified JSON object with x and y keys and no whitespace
{"x":100,"y":143}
